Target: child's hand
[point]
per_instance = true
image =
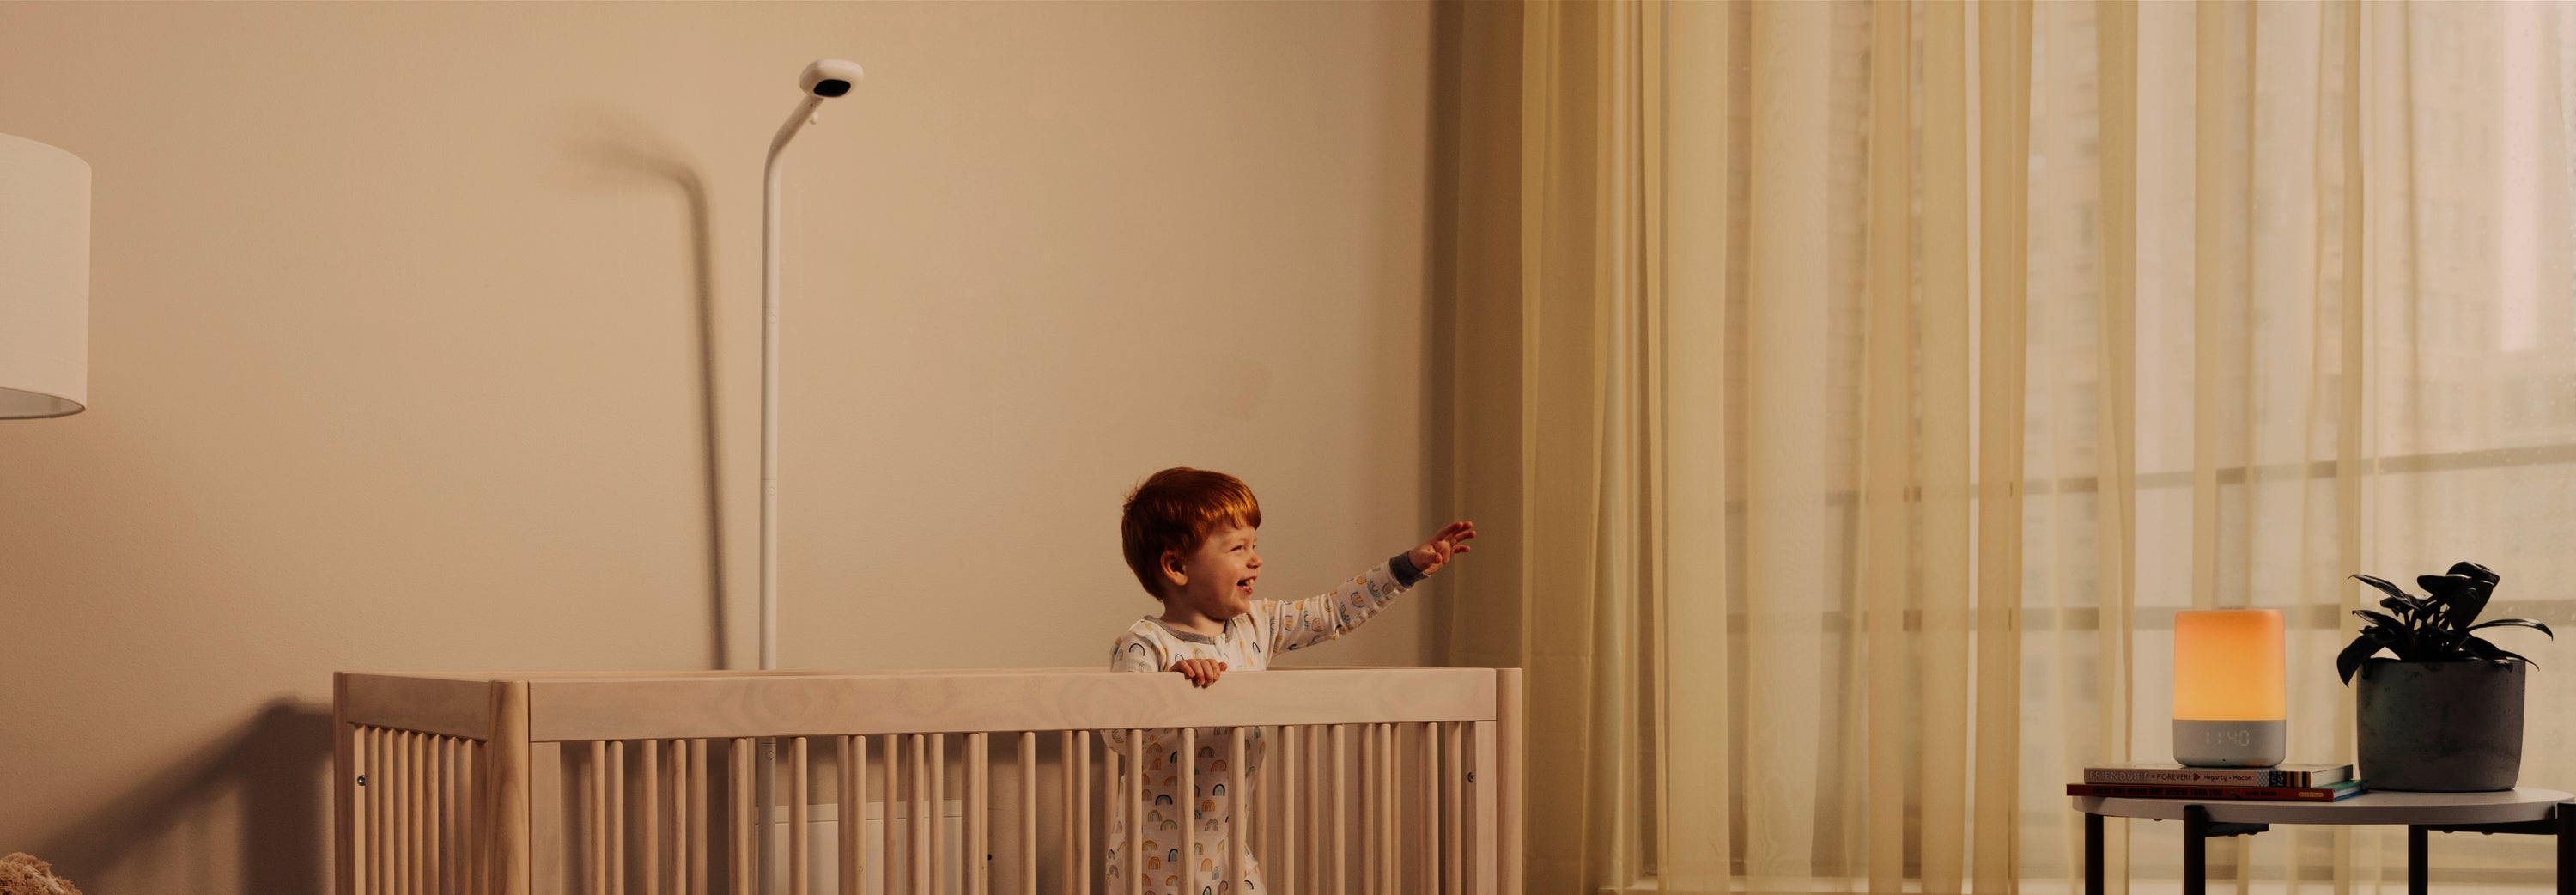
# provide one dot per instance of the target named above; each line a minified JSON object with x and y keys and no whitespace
{"x":1448,"y":543}
{"x":1201,"y":672}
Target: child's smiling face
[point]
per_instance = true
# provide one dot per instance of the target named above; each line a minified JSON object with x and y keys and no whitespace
{"x":1215,"y":581}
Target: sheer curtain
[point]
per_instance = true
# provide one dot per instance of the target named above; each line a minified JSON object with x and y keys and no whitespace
{"x":1854,"y":390}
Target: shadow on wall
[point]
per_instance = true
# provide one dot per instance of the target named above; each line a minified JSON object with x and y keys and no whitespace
{"x":171,"y":827}
{"x":623,"y":149}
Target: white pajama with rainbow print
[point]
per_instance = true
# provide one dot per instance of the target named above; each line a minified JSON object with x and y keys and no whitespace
{"x":1195,"y":865}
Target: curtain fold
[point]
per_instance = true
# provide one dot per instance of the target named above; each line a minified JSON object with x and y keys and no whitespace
{"x":1853,"y":391}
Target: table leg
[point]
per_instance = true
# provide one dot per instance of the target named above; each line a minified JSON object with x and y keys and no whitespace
{"x":2566,"y":817}
{"x":2195,"y":850}
{"x":2093,"y":855}
{"x":2418,"y":867}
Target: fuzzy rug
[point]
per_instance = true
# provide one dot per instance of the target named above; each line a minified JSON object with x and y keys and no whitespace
{"x":22,"y":874}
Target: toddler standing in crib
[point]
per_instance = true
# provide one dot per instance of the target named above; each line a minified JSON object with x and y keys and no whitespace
{"x":1192,"y":538}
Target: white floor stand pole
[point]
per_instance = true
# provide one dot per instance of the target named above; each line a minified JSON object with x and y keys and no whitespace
{"x":767,"y":769}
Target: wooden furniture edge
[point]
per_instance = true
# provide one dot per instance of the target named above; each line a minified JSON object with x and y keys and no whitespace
{"x":822,"y":705}
{"x":458,"y":707}
{"x":2533,"y":804}
{"x":1508,"y":711}
{"x":344,"y":792}
{"x":507,"y":786}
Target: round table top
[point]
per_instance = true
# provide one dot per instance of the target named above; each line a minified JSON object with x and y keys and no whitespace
{"x":2430,"y":808}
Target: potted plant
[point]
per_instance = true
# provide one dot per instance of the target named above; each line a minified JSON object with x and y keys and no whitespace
{"x":2445,"y":715}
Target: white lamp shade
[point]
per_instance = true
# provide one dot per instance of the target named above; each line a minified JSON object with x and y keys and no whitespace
{"x":44,"y":280}
{"x":2231,"y":699}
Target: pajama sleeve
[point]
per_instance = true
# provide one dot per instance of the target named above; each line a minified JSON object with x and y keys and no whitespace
{"x":1133,"y":653}
{"x":1295,"y":624}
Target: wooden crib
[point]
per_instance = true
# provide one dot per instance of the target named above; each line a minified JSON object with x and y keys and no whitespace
{"x":1378,"y":781}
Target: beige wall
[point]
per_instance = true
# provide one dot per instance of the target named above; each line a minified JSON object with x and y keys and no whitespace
{"x":398,"y":360}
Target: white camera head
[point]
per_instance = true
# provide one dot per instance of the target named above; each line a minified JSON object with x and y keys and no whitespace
{"x":828,"y":78}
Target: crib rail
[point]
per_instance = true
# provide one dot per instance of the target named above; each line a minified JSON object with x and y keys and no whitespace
{"x":1377,"y":781}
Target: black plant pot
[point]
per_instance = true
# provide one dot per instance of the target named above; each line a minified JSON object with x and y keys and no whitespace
{"x":2440,"y":726}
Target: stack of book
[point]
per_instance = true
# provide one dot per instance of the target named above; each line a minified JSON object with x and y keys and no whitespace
{"x":2279,"y":783}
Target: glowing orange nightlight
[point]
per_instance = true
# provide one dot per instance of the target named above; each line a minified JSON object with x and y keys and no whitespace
{"x":2230,"y":697}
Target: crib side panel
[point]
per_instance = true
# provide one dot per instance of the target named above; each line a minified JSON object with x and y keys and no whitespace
{"x":582,"y":710}
{"x":1433,"y":801}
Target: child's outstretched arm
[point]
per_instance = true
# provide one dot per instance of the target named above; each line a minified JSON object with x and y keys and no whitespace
{"x":1296,"y":624}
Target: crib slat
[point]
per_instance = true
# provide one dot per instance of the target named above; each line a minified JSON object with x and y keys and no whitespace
{"x":1488,"y":859}
{"x":1134,"y":868}
{"x":471,"y":826}
{"x":922,"y":868}
{"x":616,"y":818}
{"x":854,"y":814}
{"x":1237,"y":856}
{"x":434,"y":804}
{"x":369,"y":861}
{"x":1369,"y":833}
{"x":1067,"y":811}
{"x":1284,"y":860}
{"x":681,"y":839}
{"x":1341,"y":806}
{"x":453,"y":869}
{"x":428,"y":854}
{"x":1394,"y":800}
{"x":1390,"y":807}
{"x":348,"y":803}
{"x":935,"y":819}
{"x":739,"y":855}
{"x":418,"y":793}
{"x":799,"y":816}
{"x":405,"y":824}
{"x":700,"y":806}
{"x":1028,"y":812}
{"x":1066,"y":846}
{"x":978,"y":812}
{"x":1453,"y":777}
{"x":594,"y":826}
{"x":429,"y":820}
{"x":887,"y":811}
{"x":1427,"y":762}
{"x":421,"y":819}
{"x":648,"y":814}
{"x":1256,"y":801}
{"x":1391,"y":798}
{"x":442,"y":805}
{"x":1080,"y":767}
{"x":1510,"y":766}
{"x":1317,"y":742}
{"x":394,"y":830}
{"x":407,"y":810}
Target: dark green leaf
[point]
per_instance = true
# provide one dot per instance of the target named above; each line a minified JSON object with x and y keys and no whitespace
{"x":2350,"y":660}
{"x":2443,"y":586}
{"x":2379,"y":619}
{"x":2514,"y":622}
{"x":2479,"y":572}
{"x":2481,"y":649}
{"x":2385,"y":586}
{"x":2401,"y":605}
{"x":2459,"y":597}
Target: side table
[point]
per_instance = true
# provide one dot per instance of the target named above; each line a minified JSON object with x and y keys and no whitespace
{"x":2533,"y":811}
